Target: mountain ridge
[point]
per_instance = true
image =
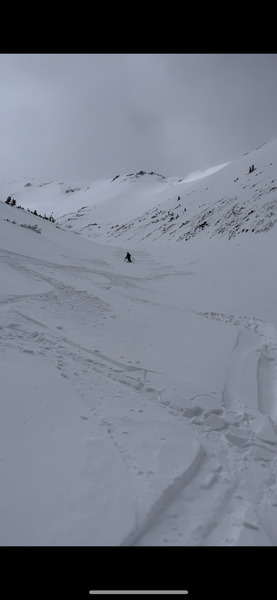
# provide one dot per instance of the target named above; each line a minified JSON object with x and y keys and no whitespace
{"x":145,"y":205}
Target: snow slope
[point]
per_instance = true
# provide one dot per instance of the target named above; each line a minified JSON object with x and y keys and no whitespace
{"x":139,"y":401}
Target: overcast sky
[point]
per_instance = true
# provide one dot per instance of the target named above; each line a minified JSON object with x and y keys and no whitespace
{"x":83,"y":117}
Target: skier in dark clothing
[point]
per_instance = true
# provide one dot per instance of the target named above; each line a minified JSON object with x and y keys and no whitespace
{"x":128,"y":257}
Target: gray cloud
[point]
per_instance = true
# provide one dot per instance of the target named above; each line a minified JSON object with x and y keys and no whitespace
{"x":91,"y":116}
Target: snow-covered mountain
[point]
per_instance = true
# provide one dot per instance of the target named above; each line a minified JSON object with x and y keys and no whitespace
{"x":97,"y":209}
{"x":227,"y":200}
{"x":139,"y":401}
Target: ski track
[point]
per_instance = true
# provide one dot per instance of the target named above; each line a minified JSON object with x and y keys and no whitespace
{"x":221,"y":494}
{"x":228,"y":472}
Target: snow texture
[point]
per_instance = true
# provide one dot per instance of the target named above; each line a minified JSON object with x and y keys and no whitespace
{"x":139,"y":401}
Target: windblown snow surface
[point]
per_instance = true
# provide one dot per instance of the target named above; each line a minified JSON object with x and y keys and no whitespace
{"x":139,"y":401}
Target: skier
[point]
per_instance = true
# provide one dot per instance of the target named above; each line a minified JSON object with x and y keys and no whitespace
{"x":128,"y":257}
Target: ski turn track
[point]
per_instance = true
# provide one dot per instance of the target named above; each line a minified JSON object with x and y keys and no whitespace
{"x":170,"y":443}
{"x":215,"y":498}
{"x":232,"y":499}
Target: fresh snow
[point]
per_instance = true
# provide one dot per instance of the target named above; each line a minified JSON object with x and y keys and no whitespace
{"x":139,"y":401}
